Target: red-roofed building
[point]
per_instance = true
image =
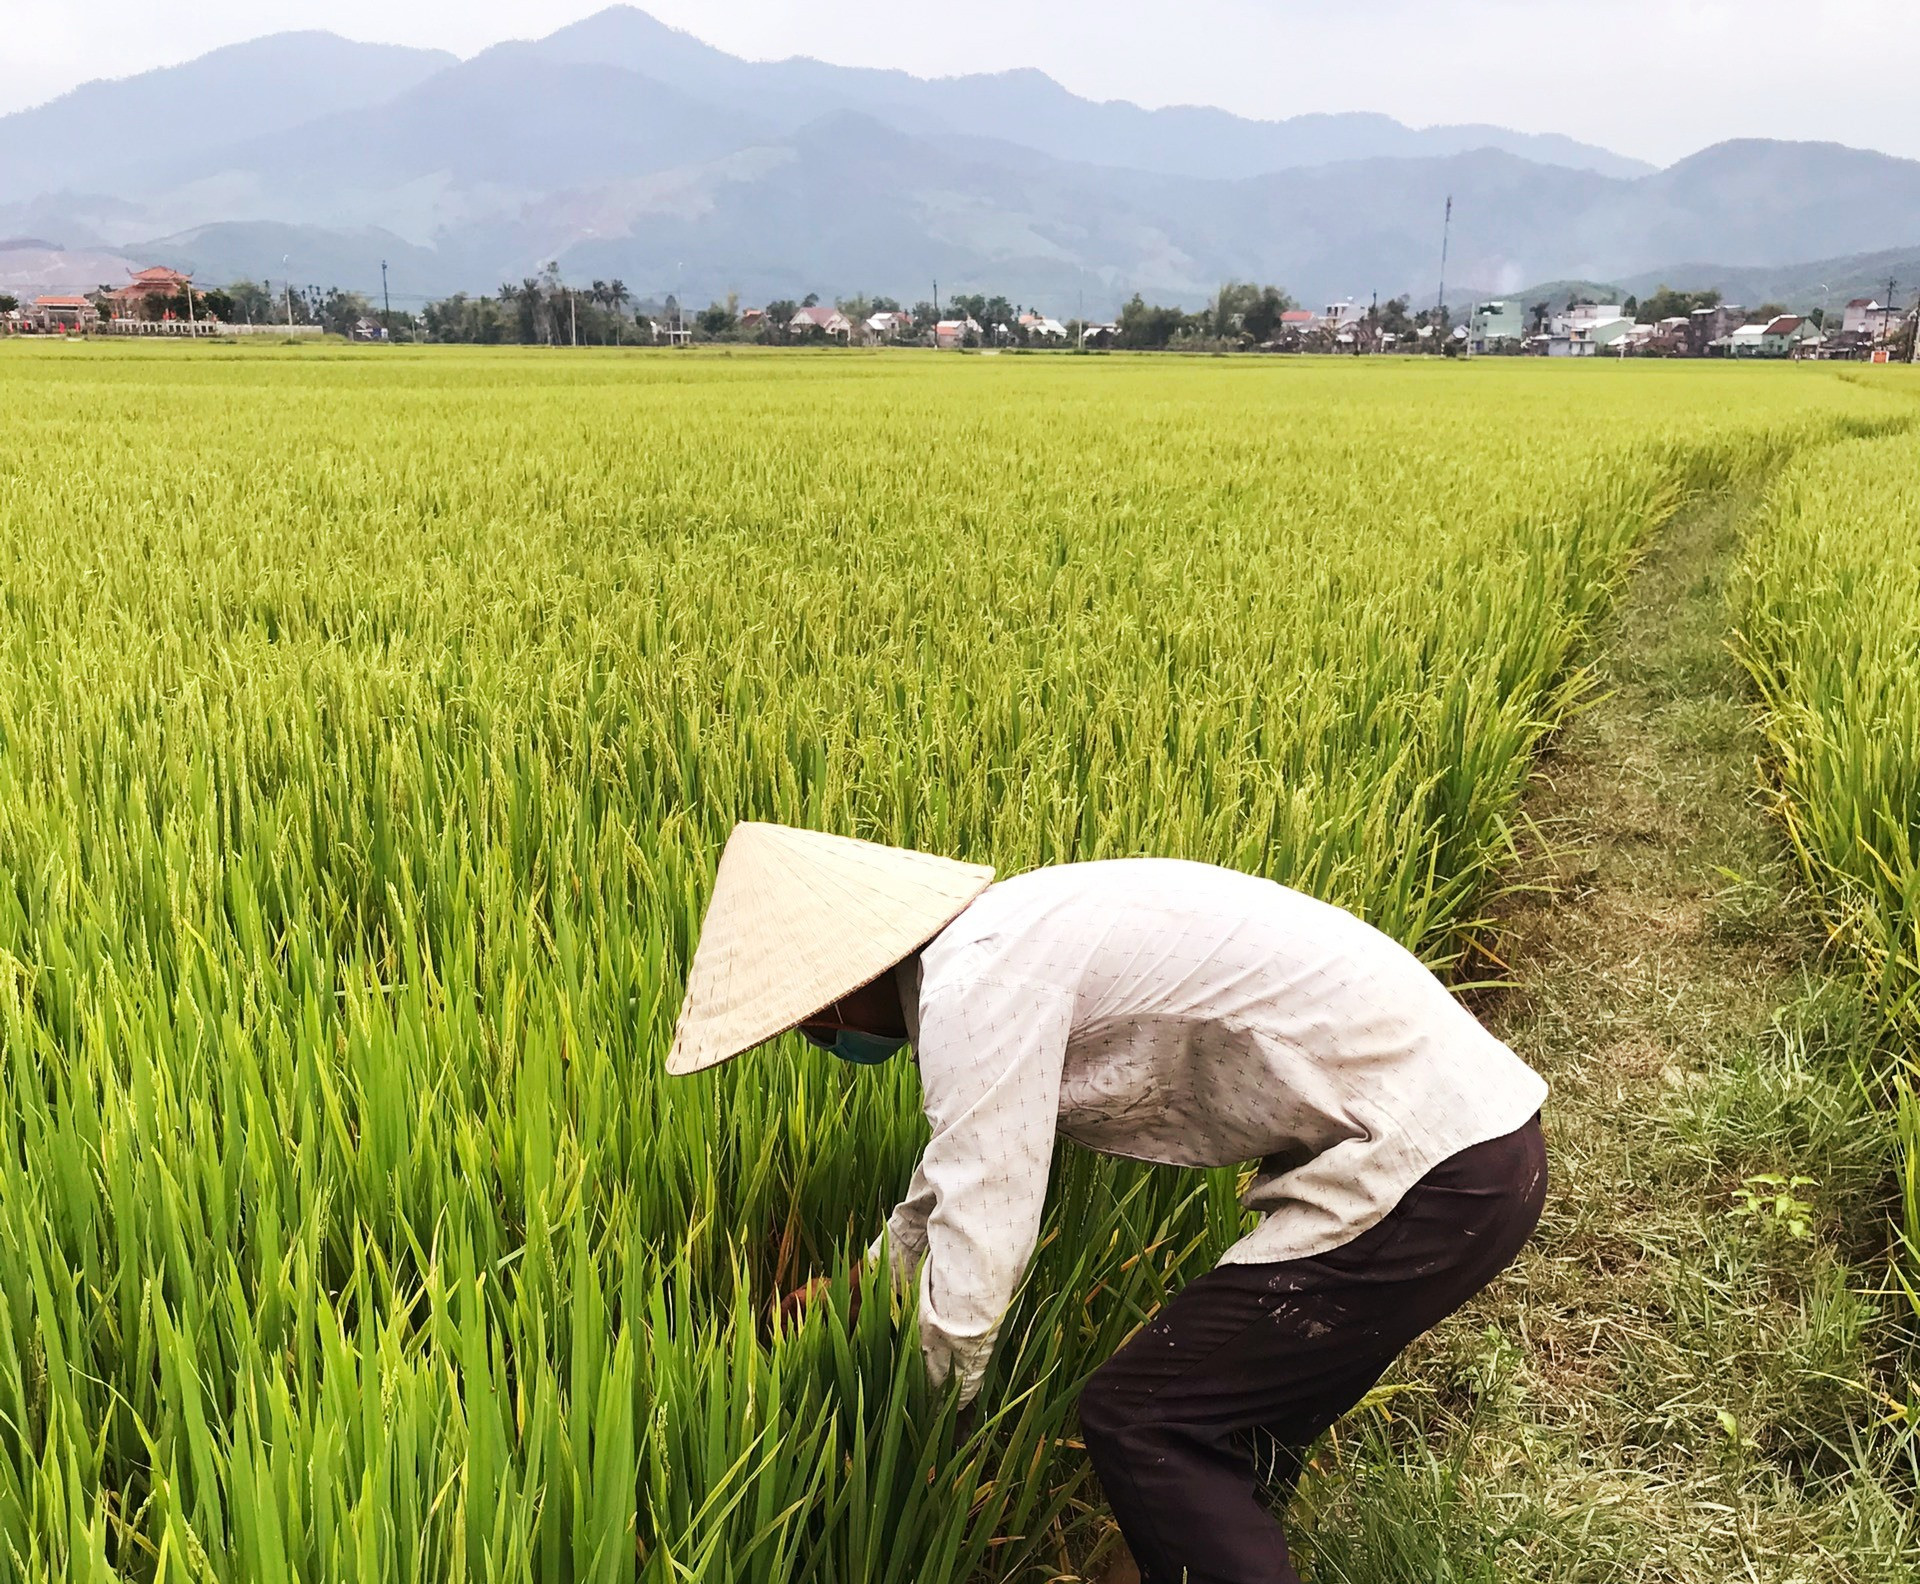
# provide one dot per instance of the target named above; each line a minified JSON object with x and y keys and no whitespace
{"x":63,"y":313}
{"x":145,"y":296}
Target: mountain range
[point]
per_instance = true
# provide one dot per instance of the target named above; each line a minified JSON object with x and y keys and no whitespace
{"x":620,"y":146}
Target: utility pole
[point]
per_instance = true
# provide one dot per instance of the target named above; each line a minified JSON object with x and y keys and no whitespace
{"x":386,"y":303}
{"x":573,"y":319}
{"x":190,"y":305}
{"x":1446,"y":238}
{"x":288,"y":283}
{"x":936,"y":298}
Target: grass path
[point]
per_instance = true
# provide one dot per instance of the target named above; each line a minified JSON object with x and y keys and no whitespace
{"x":1660,"y":1390}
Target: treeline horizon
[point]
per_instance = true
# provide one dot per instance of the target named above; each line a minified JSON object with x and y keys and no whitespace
{"x":546,"y":310}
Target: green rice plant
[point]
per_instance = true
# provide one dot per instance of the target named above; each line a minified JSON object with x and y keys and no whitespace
{"x":369,"y":729}
{"x":1831,"y":637}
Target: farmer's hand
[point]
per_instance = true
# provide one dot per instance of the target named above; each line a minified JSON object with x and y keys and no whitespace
{"x":795,"y":1304}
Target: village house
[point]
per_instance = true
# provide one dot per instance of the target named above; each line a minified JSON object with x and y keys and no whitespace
{"x":1580,"y":333}
{"x":1342,"y":315}
{"x":1669,"y":338}
{"x":1578,"y":318}
{"x":1038,"y":324}
{"x":950,"y":334}
{"x":671,"y":325}
{"x":1708,"y":328}
{"x":829,"y":320}
{"x":1784,"y":336}
{"x":1866,"y":320}
{"x":1499,"y":326}
{"x":889,"y":324}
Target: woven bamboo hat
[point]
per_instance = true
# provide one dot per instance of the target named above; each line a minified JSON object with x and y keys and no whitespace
{"x":798,"y":920}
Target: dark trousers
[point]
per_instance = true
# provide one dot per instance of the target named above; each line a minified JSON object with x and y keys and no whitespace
{"x":1257,"y":1360}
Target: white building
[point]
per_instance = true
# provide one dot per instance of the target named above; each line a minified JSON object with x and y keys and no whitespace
{"x":1583,"y":316}
{"x":1866,"y":317}
{"x":888,"y":325}
{"x":1589,"y":336}
{"x":954,"y":333}
{"x":1502,"y":323}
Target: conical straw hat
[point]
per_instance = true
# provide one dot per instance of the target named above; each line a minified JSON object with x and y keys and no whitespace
{"x":798,"y":920}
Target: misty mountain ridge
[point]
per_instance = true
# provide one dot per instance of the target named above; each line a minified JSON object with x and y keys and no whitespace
{"x":620,"y":146}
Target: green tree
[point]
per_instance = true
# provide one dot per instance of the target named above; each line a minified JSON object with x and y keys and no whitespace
{"x":480,"y":320}
{"x":523,"y":301}
{"x":338,"y":311}
{"x":1150,"y":327}
{"x":1255,"y":311}
{"x":861,"y":306}
{"x":252,"y":303}
{"x":1666,"y":303}
{"x":1395,"y":320}
{"x":780,"y":314}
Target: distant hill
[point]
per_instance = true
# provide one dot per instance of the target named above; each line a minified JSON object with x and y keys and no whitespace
{"x":1828,"y":282}
{"x":619,"y":146}
{"x":1555,"y":293}
{"x":186,"y":111}
{"x":1029,"y":108}
{"x":33,"y":266}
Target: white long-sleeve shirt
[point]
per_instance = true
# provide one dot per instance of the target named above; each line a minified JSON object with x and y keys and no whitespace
{"x":1173,"y":1012}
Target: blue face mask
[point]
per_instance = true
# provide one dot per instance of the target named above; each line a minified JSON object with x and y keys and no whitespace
{"x":863,"y":1050}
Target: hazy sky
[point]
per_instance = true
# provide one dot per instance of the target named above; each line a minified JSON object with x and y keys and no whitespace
{"x":1654,"y":78}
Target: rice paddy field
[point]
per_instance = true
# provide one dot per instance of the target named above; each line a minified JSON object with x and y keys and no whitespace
{"x":1832,"y":639}
{"x":370,"y":723}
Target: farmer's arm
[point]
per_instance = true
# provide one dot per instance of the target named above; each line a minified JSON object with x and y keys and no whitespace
{"x":990,"y":1060}
{"x":904,"y":1243}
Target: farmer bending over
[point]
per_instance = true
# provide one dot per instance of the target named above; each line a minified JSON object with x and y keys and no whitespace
{"x":1162,"y":1011}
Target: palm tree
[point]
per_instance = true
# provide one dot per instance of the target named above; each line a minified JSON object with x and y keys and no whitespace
{"x":530,"y":304}
{"x":549,"y":287}
{"x":617,"y":298}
